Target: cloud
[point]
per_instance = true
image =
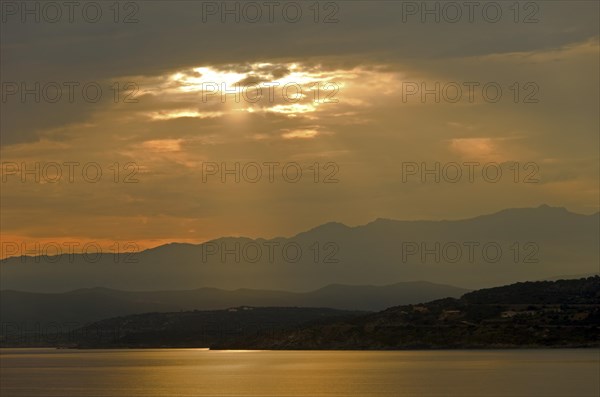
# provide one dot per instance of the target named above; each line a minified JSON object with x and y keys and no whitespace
{"x":177,"y":124}
{"x":177,"y":114}
{"x":163,"y":145}
{"x":300,"y":134}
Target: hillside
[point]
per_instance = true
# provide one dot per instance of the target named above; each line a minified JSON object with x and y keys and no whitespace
{"x":564,"y":313}
{"x":94,"y":304}
{"x":198,"y":329}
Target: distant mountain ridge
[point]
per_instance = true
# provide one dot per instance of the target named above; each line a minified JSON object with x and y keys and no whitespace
{"x":564,"y":313}
{"x":532,"y":244}
{"x":93,"y":304}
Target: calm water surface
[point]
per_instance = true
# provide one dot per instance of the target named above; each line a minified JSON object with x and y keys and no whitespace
{"x":193,"y":372}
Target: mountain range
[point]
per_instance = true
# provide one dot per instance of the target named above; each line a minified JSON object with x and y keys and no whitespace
{"x":563,"y":313}
{"x":508,"y":246}
{"x":87,"y":305}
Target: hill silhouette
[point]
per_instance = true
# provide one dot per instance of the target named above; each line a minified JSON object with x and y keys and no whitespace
{"x":489,"y":250}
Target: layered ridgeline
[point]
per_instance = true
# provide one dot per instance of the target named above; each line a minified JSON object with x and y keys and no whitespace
{"x":198,"y":329}
{"x":509,"y":246}
{"x":564,"y":313}
{"x":28,"y":309}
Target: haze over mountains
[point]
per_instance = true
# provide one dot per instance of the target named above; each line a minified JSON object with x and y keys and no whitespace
{"x":95,"y":304}
{"x":508,"y":246}
{"x":564,"y":313}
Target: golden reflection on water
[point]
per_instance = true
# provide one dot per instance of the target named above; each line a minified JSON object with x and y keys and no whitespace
{"x":201,"y":372}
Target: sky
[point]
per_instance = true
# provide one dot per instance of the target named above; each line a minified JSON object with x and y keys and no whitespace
{"x":194,"y":125}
